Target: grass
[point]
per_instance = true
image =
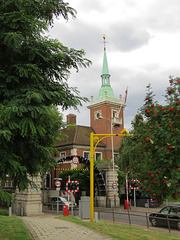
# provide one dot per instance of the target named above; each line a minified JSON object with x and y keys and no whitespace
{"x":120,"y":231}
{"x":12,"y":228}
{"x":4,"y":212}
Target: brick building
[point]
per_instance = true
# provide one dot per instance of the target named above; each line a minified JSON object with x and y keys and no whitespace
{"x":106,"y":116}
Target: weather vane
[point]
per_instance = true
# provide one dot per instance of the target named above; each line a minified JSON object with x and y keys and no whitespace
{"x":104,"y":37}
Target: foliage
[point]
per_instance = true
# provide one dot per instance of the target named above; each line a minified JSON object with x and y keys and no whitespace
{"x":33,"y":81}
{"x":153,"y":153}
{"x":5,"y":197}
{"x":100,"y":161}
{"x":121,"y":181}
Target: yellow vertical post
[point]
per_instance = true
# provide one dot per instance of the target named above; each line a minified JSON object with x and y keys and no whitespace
{"x":91,"y":177}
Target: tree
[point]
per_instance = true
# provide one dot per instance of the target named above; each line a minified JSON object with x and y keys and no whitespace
{"x":156,"y":144}
{"x":33,"y":81}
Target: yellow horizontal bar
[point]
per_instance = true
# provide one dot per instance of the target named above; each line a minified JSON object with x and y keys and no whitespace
{"x":110,"y":135}
{"x":62,"y":169}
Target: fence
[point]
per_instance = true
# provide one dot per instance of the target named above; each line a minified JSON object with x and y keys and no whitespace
{"x":116,"y":202}
{"x":137,"y":218}
{"x":116,"y":215}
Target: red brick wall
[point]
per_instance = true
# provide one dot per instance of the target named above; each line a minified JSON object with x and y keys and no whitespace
{"x":104,"y":125}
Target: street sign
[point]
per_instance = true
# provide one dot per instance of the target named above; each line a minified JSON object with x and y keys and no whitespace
{"x":114,"y":185}
{"x":75,"y":160}
{"x":58,"y":189}
{"x":57,"y":183}
{"x":72,"y":186}
{"x":135,"y":184}
{"x":135,"y":180}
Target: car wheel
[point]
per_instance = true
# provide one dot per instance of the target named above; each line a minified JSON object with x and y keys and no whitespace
{"x":153,"y":222}
{"x":178,"y":225}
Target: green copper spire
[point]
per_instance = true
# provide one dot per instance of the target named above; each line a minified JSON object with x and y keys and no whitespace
{"x":105,"y":71}
{"x":105,"y":89}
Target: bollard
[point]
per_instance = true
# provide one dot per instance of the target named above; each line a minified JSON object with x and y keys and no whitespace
{"x":10,"y":211}
{"x":96,"y":216}
{"x":21,"y":211}
{"x":126,"y":206}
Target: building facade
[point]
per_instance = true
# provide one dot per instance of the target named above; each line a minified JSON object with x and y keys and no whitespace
{"x":106,"y":113}
{"x":106,"y":116}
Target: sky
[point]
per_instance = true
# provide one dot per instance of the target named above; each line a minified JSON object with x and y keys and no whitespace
{"x":143,"y":47}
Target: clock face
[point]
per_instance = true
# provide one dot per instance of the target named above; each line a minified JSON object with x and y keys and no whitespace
{"x":97,"y":114}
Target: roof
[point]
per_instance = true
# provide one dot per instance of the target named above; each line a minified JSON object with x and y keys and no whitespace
{"x":105,"y":70}
{"x":106,"y":89}
{"x":78,"y":135}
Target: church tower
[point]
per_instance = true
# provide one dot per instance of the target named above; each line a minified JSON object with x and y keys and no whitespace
{"x":106,"y":112}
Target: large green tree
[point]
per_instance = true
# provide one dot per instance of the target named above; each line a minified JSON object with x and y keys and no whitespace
{"x":33,"y":81}
{"x":152,"y":155}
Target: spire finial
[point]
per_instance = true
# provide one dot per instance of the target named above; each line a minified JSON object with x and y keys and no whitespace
{"x":104,"y":37}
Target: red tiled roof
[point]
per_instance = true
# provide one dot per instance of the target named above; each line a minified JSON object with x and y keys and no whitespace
{"x":78,"y":135}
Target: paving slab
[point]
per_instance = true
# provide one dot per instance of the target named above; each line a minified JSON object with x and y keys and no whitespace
{"x":48,"y":227}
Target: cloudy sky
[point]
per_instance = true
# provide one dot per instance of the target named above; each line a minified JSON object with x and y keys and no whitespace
{"x":143,"y":46}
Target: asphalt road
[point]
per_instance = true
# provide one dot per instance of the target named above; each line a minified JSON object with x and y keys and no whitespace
{"x":140,"y":217}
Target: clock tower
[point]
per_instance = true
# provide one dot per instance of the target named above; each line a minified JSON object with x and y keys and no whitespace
{"x":106,"y":112}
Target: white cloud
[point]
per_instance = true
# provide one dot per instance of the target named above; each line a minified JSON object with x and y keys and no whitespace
{"x":142,"y":47}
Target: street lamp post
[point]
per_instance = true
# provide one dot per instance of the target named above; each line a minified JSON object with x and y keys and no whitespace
{"x":112,"y":148}
{"x":96,"y":139}
{"x":112,"y":145}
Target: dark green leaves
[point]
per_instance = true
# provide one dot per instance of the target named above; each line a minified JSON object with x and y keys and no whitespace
{"x":34,"y":70}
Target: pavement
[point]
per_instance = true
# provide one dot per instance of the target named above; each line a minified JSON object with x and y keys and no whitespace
{"x":48,"y":227}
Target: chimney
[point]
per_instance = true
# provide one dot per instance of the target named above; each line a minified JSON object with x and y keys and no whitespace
{"x":71,"y":118}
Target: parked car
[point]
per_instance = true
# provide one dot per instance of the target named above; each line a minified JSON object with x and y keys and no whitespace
{"x":143,"y":200}
{"x":62,"y":201}
{"x":169,"y":213}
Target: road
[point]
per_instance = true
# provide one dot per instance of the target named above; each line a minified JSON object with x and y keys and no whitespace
{"x":135,"y":218}
{"x":119,"y":215}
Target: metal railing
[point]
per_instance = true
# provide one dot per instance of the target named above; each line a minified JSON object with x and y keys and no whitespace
{"x":137,"y":218}
{"x":129,"y":217}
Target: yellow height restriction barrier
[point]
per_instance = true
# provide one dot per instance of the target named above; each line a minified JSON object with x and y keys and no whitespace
{"x":71,"y":169}
{"x":94,"y":141}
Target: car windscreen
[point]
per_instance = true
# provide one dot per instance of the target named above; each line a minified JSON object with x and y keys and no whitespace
{"x":63,"y":200}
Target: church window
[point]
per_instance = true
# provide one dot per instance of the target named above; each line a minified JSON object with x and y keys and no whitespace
{"x":114,"y":114}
